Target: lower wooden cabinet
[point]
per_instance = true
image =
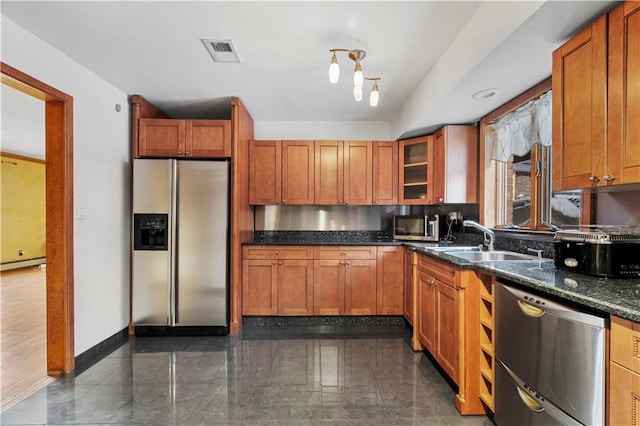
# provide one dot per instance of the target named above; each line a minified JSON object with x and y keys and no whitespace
{"x":448,"y":348}
{"x":259,"y":287}
{"x":439,"y":322}
{"x":447,"y":322}
{"x":427,"y":310}
{"x":277,"y":280}
{"x":322,"y":280}
{"x":346,"y":284}
{"x":390,"y":282}
{"x":409,"y":256}
{"x":624,"y":373}
{"x":295,"y":287}
{"x":624,"y":396}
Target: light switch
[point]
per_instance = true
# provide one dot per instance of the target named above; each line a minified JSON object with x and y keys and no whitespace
{"x":80,"y":213}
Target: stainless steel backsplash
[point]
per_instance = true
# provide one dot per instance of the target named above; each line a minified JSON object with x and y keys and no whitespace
{"x":326,"y":218}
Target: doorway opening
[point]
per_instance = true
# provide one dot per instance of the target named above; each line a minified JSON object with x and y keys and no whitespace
{"x":59,"y":216}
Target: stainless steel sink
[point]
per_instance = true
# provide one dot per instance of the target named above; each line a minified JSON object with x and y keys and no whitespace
{"x":455,"y":249}
{"x":487,"y":256}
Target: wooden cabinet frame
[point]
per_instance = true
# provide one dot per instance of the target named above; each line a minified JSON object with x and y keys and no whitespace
{"x":448,"y":325}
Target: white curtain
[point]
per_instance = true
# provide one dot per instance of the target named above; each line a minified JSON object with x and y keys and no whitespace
{"x":518,"y":131}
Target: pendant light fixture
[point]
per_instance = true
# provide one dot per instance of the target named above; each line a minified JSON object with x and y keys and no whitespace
{"x":334,"y":69}
{"x":356,"y":56}
{"x":357,"y":93}
{"x":375,"y":91}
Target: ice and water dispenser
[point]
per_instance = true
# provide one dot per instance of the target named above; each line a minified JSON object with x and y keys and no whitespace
{"x":150,"y":231}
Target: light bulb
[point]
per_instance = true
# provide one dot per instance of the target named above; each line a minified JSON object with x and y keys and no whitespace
{"x":375,"y":95}
{"x":357,"y":93}
{"x":358,"y":76}
{"x":334,"y":69}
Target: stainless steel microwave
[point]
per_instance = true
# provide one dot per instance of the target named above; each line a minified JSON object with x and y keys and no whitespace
{"x":416,"y":227}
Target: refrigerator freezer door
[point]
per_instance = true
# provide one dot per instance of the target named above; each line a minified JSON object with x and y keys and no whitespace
{"x":201,"y":284}
{"x":151,"y":268}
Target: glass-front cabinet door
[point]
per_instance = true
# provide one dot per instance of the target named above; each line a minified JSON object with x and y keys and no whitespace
{"x":416,"y":174}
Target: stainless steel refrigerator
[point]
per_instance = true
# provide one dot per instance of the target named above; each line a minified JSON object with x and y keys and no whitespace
{"x":180,"y":247}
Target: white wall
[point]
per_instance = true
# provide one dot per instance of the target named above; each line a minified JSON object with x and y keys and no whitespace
{"x":102,"y":164}
{"x":322,"y":130}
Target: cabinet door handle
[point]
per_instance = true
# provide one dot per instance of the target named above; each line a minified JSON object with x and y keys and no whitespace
{"x":594,"y":179}
{"x":347,"y":263}
{"x":608,"y":177}
{"x":375,"y":202}
{"x":187,"y":153}
{"x":346,"y":202}
{"x":284,"y":202}
{"x":279,"y":263}
{"x":273,"y":262}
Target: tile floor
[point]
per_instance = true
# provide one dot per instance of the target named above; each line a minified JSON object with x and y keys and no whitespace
{"x":257,"y":379}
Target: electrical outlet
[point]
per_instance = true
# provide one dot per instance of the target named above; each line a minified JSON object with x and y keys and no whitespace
{"x":20,"y":252}
{"x":455,"y":216}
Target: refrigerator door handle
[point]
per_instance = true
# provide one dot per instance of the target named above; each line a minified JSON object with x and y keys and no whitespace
{"x":173,"y":223}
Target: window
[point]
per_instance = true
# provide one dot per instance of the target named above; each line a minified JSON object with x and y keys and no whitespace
{"x":518,"y":168}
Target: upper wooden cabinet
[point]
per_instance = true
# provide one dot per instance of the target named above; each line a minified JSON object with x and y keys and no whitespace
{"x":164,"y":138}
{"x":416,"y":170}
{"x":343,"y":172}
{"x":455,"y":165}
{"x":385,"y":173}
{"x":281,"y":172}
{"x":579,"y":87}
{"x":265,"y":172}
{"x":596,"y":102}
{"x":623,"y":125}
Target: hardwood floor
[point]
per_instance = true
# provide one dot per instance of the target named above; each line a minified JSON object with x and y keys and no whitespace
{"x":23,"y":339}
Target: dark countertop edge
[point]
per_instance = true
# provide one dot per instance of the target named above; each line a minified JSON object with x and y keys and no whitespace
{"x":323,"y":243}
{"x":494,"y":268}
{"x":573,"y":297}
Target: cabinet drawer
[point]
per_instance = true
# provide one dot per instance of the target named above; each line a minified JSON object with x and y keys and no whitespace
{"x":625,"y":343}
{"x":345,"y":252}
{"x":445,"y":272}
{"x":623,"y":396}
{"x":277,"y":252}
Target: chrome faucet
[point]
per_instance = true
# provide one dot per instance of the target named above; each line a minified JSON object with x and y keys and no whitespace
{"x":489,"y":236}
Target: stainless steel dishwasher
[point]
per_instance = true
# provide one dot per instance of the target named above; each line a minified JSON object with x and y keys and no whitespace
{"x":550,"y":362}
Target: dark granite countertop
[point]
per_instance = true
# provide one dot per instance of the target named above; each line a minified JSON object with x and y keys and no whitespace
{"x":323,"y":243}
{"x":325,"y":238}
{"x":616,"y":296}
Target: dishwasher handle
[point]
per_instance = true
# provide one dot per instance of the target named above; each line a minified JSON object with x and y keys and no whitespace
{"x":530,"y":310}
{"x":553,"y":308}
{"x":529,"y":401}
{"x":534,"y":400}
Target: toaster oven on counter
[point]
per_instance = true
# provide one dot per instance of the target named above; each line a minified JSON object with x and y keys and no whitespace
{"x":600,"y":250}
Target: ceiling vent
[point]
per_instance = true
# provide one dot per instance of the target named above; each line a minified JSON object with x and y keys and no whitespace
{"x":222,"y":50}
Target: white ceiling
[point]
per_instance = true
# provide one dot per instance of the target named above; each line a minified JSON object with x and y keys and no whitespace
{"x":430,"y":55}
